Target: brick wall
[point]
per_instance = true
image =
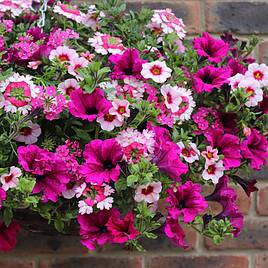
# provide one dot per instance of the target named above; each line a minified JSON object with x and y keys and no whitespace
{"x":249,"y":250}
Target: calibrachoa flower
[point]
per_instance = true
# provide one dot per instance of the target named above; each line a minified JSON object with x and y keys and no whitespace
{"x":213,"y":49}
{"x":17,"y":93}
{"x":259,"y":72}
{"x":11,"y":179}
{"x":29,"y":134}
{"x":209,"y":78}
{"x":102,"y":161}
{"x":8,"y":236}
{"x":213,"y":171}
{"x":69,"y":11}
{"x":156,"y":70}
{"x":189,"y":153}
{"x":63,"y":54}
{"x":120,"y":109}
{"x":75,"y":65}
{"x":148,"y":193}
{"x":211,"y":155}
{"x":185,"y":200}
{"x":68,"y":86}
{"x":105,"y":43}
{"x":122,"y":229}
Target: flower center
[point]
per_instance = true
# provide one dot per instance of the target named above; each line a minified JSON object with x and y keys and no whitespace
{"x":108,"y":164}
{"x":250,"y":91}
{"x":26,"y":131}
{"x":121,"y":109}
{"x":103,"y":229}
{"x":182,"y":204}
{"x":156,"y":70}
{"x":209,"y":155}
{"x":148,"y":190}
{"x":258,"y":75}
{"x":211,"y":169}
{"x":186,"y":152}
{"x":63,"y":57}
{"x":69,"y":90}
{"x":70,"y":185}
{"x":109,"y":117}
{"x":169,"y":98}
{"x":91,"y":110}
{"x":8,"y":178}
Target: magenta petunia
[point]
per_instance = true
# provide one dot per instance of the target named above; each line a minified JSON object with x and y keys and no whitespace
{"x":175,"y":233}
{"x":236,"y":67}
{"x":88,"y":106}
{"x":185,"y":200}
{"x":128,"y":64}
{"x":255,"y":149}
{"x":210,"y":77}
{"x":122,"y":229}
{"x":264,"y":104}
{"x":102,"y":161}
{"x":2,"y":196}
{"x":93,"y":229}
{"x":211,"y":48}
{"x":228,"y":145}
{"x":8,"y":236}
{"x":227,"y":197}
{"x":50,"y":171}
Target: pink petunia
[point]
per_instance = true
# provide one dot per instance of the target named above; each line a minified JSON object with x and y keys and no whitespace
{"x":8,"y":236}
{"x":2,"y":196}
{"x":102,"y":161}
{"x":122,"y":229}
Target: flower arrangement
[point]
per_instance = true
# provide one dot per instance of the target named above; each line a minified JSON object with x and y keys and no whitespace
{"x":115,"y":123}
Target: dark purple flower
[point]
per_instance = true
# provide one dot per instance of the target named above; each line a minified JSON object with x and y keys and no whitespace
{"x":228,"y":145}
{"x":210,"y":77}
{"x":122,"y":229}
{"x":102,"y":161}
{"x":129,"y":64}
{"x":236,"y":67}
{"x":8,"y":236}
{"x":51,"y":173}
{"x":213,"y":49}
{"x":185,"y":200}
{"x":247,"y":185}
{"x":88,"y":106}
{"x":255,"y":148}
{"x":229,"y":39}
{"x":93,"y":229}
{"x":264,"y":104}
{"x":175,"y":232}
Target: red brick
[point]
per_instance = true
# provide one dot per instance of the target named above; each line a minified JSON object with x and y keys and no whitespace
{"x":261,"y":261}
{"x":253,"y":236}
{"x":262,"y":201}
{"x":189,"y":11}
{"x":263,"y":51}
{"x":236,"y":16}
{"x":14,"y":263}
{"x":96,"y":262}
{"x":199,"y":262}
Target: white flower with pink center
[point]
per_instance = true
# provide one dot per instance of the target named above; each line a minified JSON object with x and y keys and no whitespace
{"x":172,"y":97}
{"x":156,"y":70}
{"x":165,"y":21}
{"x":29,"y":134}
{"x":92,"y":17}
{"x":211,"y":155}
{"x":213,"y":171}
{"x":69,"y":11}
{"x":259,"y":72}
{"x":108,"y":122}
{"x":120,"y":109}
{"x":71,"y":190}
{"x":189,"y":153}
{"x":254,"y":91}
{"x":11,"y":179}
{"x":105,"y":43}
{"x":17,"y":90}
{"x":68,"y":86}
{"x":235,"y":80}
{"x":148,"y":193}
{"x":34,"y":64}
{"x":63,"y":54}
{"x":75,"y":65}
{"x":86,"y":206}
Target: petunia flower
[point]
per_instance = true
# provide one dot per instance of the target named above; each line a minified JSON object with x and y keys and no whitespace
{"x":11,"y":179}
{"x":148,"y":193}
{"x":28,"y":134}
{"x":185,"y":200}
{"x":8,"y":236}
{"x":102,"y":161}
{"x":122,"y":229}
{"x":211,"y":48}
{"x":2,"y":196}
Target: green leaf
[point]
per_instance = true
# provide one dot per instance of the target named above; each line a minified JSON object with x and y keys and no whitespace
{"x":121,"y":185}
{"x":7,"y":216}
{"x":26,"y":185}
{"x":59,"y":225}
{"x":131,"y":180}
